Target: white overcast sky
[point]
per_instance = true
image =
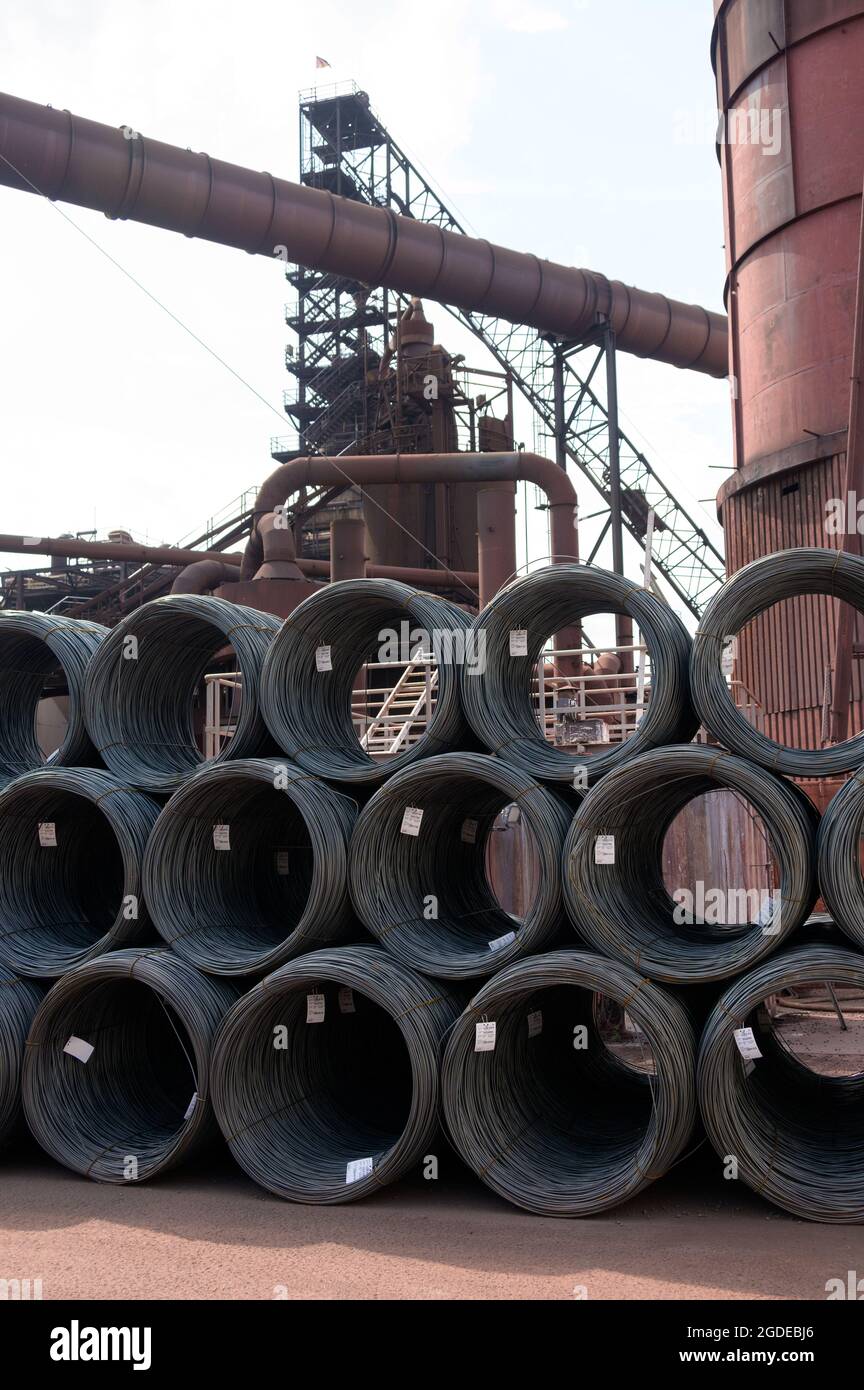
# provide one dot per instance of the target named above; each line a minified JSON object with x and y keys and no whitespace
{"x":580,"y":130}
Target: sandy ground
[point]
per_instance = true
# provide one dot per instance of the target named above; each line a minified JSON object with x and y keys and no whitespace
{"x":211,"y":1233}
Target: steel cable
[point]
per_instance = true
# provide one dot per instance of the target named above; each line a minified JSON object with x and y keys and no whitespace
{"x":33,"y":646}
{"x":19,"y":1000}
{"x":116,"y":1078}
{"x":329,"y":1111}
{"x":141,"y":687}
{"x":796,"y":1135}
{"x":312,"y":667}
{"x":621,"y":904}
{"x":426,"y":893}
{"x":550,"y":1118}
{"x":247,"y":867}
{"x":755,"y":588}
{"x":838,"y":855}
{"x":72,"y":842}
{"x":498,"y":697}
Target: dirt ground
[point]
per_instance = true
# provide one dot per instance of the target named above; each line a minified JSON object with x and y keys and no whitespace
{"x":211,"y":1233}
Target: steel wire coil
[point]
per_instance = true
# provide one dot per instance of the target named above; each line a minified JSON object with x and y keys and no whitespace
{"x":247,"y":867}
{"x":797,"y":1135}
{"x":558,"y":1128}
{"x":330,"y":1111}
{"x":624,"y":909}
{"x":427,"y":896}
{"x":32,"y":647}
{"x":498,"y":700}
{"x":140,"y":1102}
{"x":19,"y":1000}
{"x":750,"y":592}
{"x":72,"y":842}
{"x":838,"y":856}
{"x":306,"y":698}
{"x":140,"y":690}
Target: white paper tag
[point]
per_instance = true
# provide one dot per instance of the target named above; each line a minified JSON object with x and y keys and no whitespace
{"x":411,"y":820}
{"x":314,"y":1008}
{"x":77,"y":1047}
{"x":283,"y":861}
{"x":469,"y":832}
{"x":519,"y":641}
{"x":47,"y":834}
{"x":484,"y":1037}
{"x":747,"y":1044}
{"x":190,"y":1108}
{"x":346,"y":1001}
{"x":358,"y":1168}
{"x":727,"y":660}
{"x":221,"y":837}
{"x":501,"y":941}
{"x":604,"y":849}
{"x":535,"y":1023}
{"x":323,"y":659}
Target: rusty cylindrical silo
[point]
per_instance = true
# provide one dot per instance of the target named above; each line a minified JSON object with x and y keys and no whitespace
{"x":790,"y":84}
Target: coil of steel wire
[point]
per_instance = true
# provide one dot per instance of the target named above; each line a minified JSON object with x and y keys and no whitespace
{"x":116,"y":1077}
{"x":498,"y":699}
{"x":548,"y":1114}
{"x":247,"y":867}
{"x":751,"y":591}
{"x":313,"y":665}
{"x":419,"y":865}
{"x":325,"y":1075}
{"x":72,"y":842}
{"x":19,"y":1000}
{"x":838,"y":858}
{"x":140,"y":692}
{"x":796,"y":1134}
{"x":613,"y":866}
{"x":33,"y":647}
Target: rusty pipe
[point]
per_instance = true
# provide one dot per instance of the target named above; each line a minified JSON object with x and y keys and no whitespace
{"x":127,"y":175}
{"x":113,"y":550}
{"x":366,"y":470}
{"x":203,"y":576}
{"x":347,"y":549}
{"x":496,"y":538}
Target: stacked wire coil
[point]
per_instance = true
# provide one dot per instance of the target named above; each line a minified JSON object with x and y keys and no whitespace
{"x":72,"y":842}
{"x":34,"y":647}
{"x":141,"y":688}
{"x":326,"y":1074}
{"x":116,"y":1079}
{"x":312,"y":668}
{"x":549,"y":1116}
{"x":419,"y":868}
{"x":19,"y":1000}
{"x":246,"y":867}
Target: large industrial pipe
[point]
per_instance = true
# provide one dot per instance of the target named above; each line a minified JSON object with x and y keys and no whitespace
{"x":366,"y":470}
{"x":125,"y":175}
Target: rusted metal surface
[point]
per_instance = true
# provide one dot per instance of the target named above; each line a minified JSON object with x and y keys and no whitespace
{"x":112,"y":550}
{"x":126,"y":175}
{"x":790,"y":82}
{"x":496,"y":532}
{"x":347,"y":549}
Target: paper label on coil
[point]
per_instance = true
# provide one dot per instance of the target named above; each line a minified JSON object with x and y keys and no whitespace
{"x":727,"y":659}
{"x":358,"y":1168}
{"x":484,"y":1037}
{"x":190,"y":1108}
{"x":47,"y":834}
{"x":323,"y":659}
{"x":346,"y":1001}
{"x":501,"y":941}
{"x":283,"y":861}
{"x":314,"y":1008}
{"x":535,"y":1023}
{"x":747,"y":1044}
{"x":604,"y":849}
{"x":221,"y":837}
{"x":411,"y":820}
{"x":78,"y":1048}
{"x":469,"y":832}
{"x":519,"y":641}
